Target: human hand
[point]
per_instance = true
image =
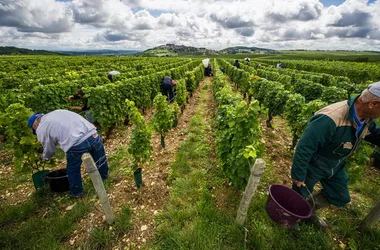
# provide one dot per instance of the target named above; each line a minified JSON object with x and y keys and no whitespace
{"x":298,"y":183}
{"x":70,"y":97}
{"x":77,"y":108}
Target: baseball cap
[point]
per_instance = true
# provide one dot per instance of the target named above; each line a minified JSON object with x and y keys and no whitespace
{"x":374,"y":88}
{"x":31,"y":120}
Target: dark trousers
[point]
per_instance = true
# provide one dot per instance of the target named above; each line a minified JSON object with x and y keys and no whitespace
{"x":168,"y":92}
{"x":95,"y":147}
{"x":110,"y":77}
{"x":335,"y":184}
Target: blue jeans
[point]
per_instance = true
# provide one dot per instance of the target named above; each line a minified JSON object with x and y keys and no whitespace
{"x":89,"y":117}
{"x":95,"y":147}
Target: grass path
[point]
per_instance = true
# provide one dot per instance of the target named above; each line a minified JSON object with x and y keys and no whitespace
{"x":196,"y":215}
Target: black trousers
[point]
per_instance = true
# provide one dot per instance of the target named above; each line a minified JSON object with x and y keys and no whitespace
{"x":167,"y":90}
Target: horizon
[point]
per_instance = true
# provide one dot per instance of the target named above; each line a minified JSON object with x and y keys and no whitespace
{"x":66,"y":25}
{"x":137,"y":50}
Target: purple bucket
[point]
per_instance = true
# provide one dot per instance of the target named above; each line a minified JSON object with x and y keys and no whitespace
{"x":285,"y":206}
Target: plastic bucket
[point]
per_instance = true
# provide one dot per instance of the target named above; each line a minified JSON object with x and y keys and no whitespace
{"x":39,"y":178}
{"x":285,"y":206}
{"x":137,"y":175}
{"x":58,"y":180}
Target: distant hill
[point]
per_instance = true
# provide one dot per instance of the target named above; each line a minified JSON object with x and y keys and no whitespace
{"x":19,"y":51}
{"x":243,"y":49}
{"x":104,"y":52}
{"x":176,"y":50}
{"x":169,"y":50}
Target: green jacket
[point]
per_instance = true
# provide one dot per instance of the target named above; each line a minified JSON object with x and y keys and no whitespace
{"x":330,"y":138}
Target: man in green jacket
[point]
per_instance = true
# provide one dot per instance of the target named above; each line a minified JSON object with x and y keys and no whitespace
{"x":332,"y":135}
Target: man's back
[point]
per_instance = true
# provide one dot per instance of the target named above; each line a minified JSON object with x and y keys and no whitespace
{"x":167,"y":81}
{"x":63,"y":128}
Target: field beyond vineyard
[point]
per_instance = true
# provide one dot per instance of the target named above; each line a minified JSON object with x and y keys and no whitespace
{"x":213,"y":131}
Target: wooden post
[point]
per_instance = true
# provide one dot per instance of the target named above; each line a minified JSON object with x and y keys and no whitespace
{"x":93,"y":172}
{"x":254,"y":179}
{"x":371,"y":219}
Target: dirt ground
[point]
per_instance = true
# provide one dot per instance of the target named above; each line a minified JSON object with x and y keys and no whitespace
{"x":277,"y":147}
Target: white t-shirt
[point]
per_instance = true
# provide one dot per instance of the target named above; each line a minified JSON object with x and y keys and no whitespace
{"x":64,"y":129}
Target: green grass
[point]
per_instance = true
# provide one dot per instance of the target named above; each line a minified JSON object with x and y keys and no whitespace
{"x":191,"y":219}
{"x":12,"y":181}
{"x":103,"y":237}
{"x":120,"y":165}
{"x":100,"y":238}
{"x":39,"y":223}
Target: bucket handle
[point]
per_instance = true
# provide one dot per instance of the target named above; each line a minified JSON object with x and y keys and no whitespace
{"x":312,"y":198}
{"x":56,"y":178}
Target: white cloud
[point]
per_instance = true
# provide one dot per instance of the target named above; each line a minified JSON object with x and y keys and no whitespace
{"x":102,"y":14}
{"x":213,"y":24}
{"x":288,"y":10}
{"x":144,"y":21}
{"x":45,"y":16}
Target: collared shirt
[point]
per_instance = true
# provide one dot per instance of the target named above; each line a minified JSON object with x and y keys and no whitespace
{"x":330,"y":137}
{"x":360,"y":124}
{"x":64,"y":129}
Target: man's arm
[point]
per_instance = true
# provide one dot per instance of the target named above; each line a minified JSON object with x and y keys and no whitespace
{"x":49,"y":148}
{"x":317,"y":134}
{"x":77,"y":108}
{"x":374,"y":136}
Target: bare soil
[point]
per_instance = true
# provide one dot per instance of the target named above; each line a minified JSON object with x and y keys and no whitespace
{"x":277,"y":147}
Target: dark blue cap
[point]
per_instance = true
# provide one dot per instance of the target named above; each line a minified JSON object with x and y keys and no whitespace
{"x":31,"y":120}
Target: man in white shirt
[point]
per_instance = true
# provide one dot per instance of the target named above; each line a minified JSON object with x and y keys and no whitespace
{"x":75,"y":136}
{"x":111,"y":74}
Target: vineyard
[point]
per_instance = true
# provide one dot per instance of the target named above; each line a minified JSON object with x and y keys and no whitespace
{"x":195,"y":153}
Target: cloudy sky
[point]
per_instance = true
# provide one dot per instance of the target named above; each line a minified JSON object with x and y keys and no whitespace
{"x":213,"y":24}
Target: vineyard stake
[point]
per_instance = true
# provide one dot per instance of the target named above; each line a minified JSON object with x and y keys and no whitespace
{"x":254,"y":179}
{"x":371,"y":219}
{"x":99,"y":187}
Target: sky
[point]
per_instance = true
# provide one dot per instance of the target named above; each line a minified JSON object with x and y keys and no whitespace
{"x":211,"y":24}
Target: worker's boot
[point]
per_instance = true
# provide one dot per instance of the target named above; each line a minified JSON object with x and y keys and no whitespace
{"x":319,"y":202}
